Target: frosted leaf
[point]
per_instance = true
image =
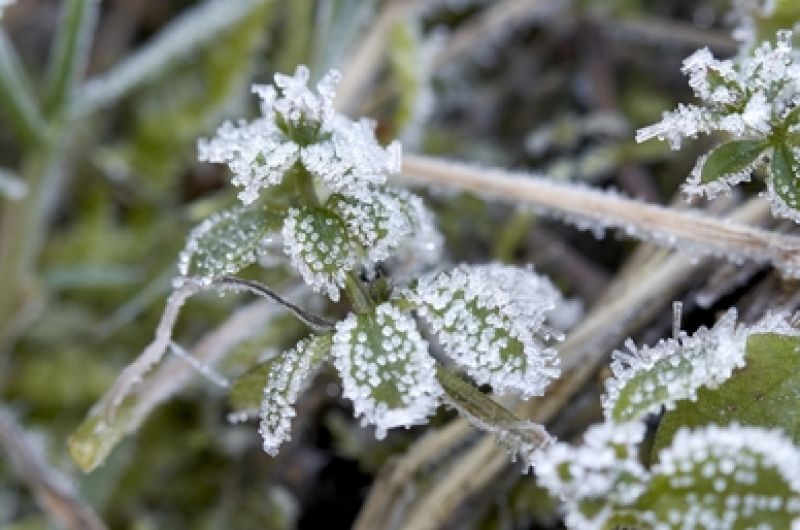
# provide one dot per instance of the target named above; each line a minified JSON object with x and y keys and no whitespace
{"x":287,"y":375}
{"x":724,"y":167}
{"x":646,"y":379}
{"x":595,"y":477}
{"x":688,"y":121}
{"x":225,"y":243}
{"x":725,"y":478}
{"x":317,"y":243}
{"x":491,"y":320}
{"x":751,"y":97}
{"x":386,"y":369}
{"x":300,"y":125}
{"x":297,"y":104}
{"x":379,"y":220}
{"x":783,"y":186}
{"x":257,"y":153}
{"x":352,"y":157}
{"x":424,"y":248}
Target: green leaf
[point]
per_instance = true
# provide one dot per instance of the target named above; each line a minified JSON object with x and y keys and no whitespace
{"x":318,"y":245}
{"x":282,"y":379}
{"x":765,"y":393}
{"x":386,"y":369}
{"x":226,"y":242}
{"x":673,"y":370}
{"x":743,"y":476}
{"x":247,"y":391}
{"x":784,"y":181}
{"x":731,"y":159}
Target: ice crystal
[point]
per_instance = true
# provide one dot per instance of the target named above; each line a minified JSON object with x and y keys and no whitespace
{"x":605,"y":469}
{"x":672,"y":370}
{"x":724,"y":478}
{"x":739,"y":96}
{"x":379,"y":220}
{"x":752,"y":98}
{"x":287,"y":375}
{"x":645,"y":379}
{"x":386,"y":369}
{"x":491,"y":320}
{"x":318,"y":245}
{"x":298,"y":125}
{"x":225,"y":243}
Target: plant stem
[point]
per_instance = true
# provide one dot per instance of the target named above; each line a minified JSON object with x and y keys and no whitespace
{"x":690,"y":231}
{"x":357,"y":295}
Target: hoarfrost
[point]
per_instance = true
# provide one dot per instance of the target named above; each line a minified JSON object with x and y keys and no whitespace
{"x":386,"y":369}
{"x":606,"y":468}
{"x":287,"y":376}
{"x":491,"y":320}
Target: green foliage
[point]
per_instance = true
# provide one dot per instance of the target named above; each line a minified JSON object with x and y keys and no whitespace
{"x":247,"y":392}
{"x":731,"y":158}
{"x":784,"y":176}
{"x":764,"y":393}
{"x":227,"y":242}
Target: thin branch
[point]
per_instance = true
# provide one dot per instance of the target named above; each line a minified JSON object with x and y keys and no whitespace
{"x":152,"y":354}
{"x":53,"y":491}
{"x":691,"y":231}
{"x":311,"y":320}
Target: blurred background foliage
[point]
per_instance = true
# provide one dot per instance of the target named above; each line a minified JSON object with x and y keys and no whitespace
{"x":102,"y":135}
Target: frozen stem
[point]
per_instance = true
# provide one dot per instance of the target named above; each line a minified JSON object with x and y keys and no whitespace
{"x":589,"y":208}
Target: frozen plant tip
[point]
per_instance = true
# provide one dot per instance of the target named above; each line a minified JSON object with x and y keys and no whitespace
{"x":300,"y":126}
{"x":753,"y":98}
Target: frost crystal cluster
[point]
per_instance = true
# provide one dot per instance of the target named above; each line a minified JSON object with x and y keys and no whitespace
{"x":346,"y":218}
{"x":714,"y":478}
{"x":491,"y":320}
{"x":753,"y":98}
{"x":604,"y":470}
{"x":674,"y":369}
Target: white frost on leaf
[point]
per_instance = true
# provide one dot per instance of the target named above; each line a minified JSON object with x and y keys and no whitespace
{"x":298,"y":125}
{"x":287,"y":376}
{"x":224,"y":243}
{"x":492,"y":321}
{"x":729,"y":467}
{"x":605,"y":468}
{"x":743,"y":97}
{"x":318,"y":245}
{"x":386,"y":369}
{"x":646,"y":378}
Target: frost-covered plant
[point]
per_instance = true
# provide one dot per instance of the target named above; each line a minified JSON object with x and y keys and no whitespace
{"x":753,"y":98}
{"x":316,"y":181}
{"x":701,"y":475}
